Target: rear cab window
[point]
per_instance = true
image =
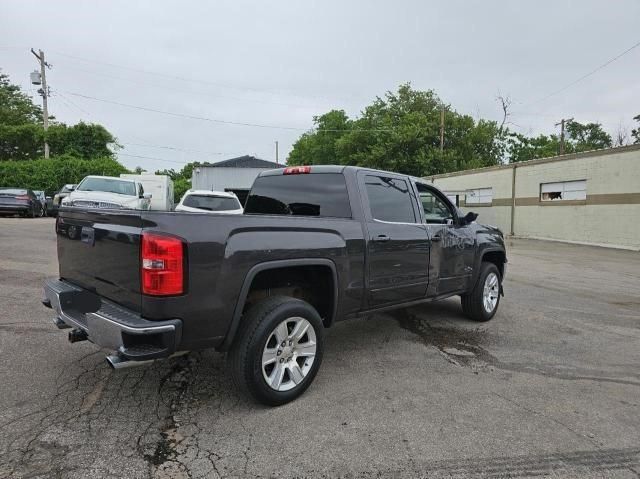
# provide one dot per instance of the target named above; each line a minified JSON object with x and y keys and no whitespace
{"x":314,"y":194}
{"x":211,"y":202}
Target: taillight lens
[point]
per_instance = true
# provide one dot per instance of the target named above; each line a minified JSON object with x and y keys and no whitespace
{"x":22,"y":197}
{"x":161,"y":265}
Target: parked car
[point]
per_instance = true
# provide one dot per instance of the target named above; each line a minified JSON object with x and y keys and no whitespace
{"x":315,"y":245}
{"x":43,"y":201}
{"x":108,"y":192}
{"x":20,"y":201}
{"x":59,"y":196}
{"x":200,"y":201}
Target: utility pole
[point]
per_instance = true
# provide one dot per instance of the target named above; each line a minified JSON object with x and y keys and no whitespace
{"x":44,"y":92}
{"x":277,"y":153}
{"x":562,"y":123}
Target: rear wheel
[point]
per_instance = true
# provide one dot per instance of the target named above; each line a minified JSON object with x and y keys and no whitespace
{"x":481,"y":303}
{"x":278,"y":350}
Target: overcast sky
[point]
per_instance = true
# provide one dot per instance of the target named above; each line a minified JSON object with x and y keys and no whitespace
{"x":280,"y":63}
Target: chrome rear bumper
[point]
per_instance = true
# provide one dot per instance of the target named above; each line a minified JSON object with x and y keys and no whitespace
{"x":109,"y":325}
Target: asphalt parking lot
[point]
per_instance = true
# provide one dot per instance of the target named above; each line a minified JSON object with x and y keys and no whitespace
{"x":551,"y":386}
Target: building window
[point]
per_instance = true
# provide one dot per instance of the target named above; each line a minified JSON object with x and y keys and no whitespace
{"x":479,"y":196}
{"x":563,"y":191}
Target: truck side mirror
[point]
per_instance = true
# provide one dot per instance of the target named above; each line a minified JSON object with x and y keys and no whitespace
{"x":469,"y":218}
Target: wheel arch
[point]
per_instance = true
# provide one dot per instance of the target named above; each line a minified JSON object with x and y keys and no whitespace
{"x":495,"y":255}
{"x":272,"y":267}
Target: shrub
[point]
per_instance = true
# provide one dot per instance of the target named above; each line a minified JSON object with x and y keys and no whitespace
{"x":50,"y":175}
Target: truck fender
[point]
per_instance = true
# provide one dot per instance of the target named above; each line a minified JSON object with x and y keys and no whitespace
{"x":478,"y":261}
{"x":258,"y":268}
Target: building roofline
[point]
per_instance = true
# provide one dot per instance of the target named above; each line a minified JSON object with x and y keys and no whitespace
{"x":240,"y":161}
{"x":538,"y":161}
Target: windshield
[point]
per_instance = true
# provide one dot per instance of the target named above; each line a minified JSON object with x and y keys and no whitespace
{"x":212,"y":203}
{"x":108,"y":185}
{"x":12,"y":191}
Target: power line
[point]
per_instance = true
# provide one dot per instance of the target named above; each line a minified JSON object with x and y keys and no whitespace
{"x":151,"y":158}
{"x":67,"y":101}
{"x":569,"y":85}
{"x":183,"y":115}
{"x":214,"y":120}
{"x":176,"y":77}
{"x":82,"y":110}
{"x":175,"y":148}
{"x":185,"y":90}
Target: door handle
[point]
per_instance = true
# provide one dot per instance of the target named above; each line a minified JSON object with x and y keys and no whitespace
{"x":381,"y":238}
{"x":436,"y":238}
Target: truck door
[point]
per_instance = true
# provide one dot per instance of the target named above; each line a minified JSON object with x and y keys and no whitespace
{"x":397,"y":242}
{"x":452,"y":245}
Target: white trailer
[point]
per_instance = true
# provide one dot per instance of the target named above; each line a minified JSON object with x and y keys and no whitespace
{"x":159,"y":186}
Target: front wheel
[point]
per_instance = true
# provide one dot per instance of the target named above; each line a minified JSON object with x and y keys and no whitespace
{"x":278,"y":350}
{"x":481,"y":303}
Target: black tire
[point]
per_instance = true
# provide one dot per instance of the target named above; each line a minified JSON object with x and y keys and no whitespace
{"x":473,"y":302}
{"x":245,"y":355}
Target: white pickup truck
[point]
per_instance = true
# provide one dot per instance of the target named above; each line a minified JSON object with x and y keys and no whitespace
{"x":108,"y":192}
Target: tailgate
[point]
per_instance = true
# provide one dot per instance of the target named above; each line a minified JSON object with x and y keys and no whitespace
{"x":100,"y":251}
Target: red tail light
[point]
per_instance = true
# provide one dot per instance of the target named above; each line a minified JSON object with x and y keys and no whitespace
{"x":297,"y":170}
{"x":22,"y":197}
{"x":161,"y":265}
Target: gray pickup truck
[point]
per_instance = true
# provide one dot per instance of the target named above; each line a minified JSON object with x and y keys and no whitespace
{"x":315,"y":245}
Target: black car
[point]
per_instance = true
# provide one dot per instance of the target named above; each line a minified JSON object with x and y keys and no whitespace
{"x":20,"y":201}
{"x":315,"y":245}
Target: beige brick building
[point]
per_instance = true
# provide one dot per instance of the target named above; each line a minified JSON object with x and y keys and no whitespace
{"x":590,"y":198}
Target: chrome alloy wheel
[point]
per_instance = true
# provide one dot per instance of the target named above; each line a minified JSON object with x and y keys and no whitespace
{"x":289,"y":354}
{"x":490,"y":292}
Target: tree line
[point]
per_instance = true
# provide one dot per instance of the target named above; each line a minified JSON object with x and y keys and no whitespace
{"x":401,"y":132}
{"x":76,"y":150}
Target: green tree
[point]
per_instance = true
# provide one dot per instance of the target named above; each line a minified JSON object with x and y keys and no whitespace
{"x":16,"y":107}
{"x":579,"y":137}
{"x":635,"y":133}
{"x":84,"y":140}
{"x":319,"y":147}
{"x":588,"y":136}
{"x":22,"y":135}
{"x":181,"y":179}
{"x":523,"y":148}
{"x":401,"y":132}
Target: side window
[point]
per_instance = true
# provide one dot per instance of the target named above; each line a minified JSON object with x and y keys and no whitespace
{"x":436,"y":211}
{"x":390,"y":199}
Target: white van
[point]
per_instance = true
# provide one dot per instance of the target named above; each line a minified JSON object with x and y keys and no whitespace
{"x":159,"y":186}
